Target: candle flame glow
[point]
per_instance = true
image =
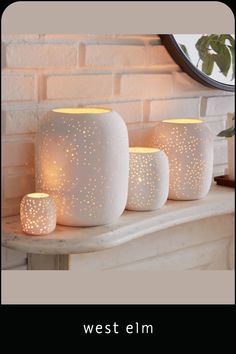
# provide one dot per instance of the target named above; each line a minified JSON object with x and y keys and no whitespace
{"x":143,"y":150}
{"x":38,"y":195}
{"x":183,"y":120}
{"x":88,"y":110}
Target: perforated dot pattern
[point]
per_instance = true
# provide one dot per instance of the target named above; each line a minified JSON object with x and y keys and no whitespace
{"x":148,"y":179}
{"x":189,"y":148}
{"x":37,"y":214}
{"x":82,"y":161}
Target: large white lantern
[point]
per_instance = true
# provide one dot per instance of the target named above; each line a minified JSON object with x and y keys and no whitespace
{"x":188,"y":143}
{"x":82,"y":160}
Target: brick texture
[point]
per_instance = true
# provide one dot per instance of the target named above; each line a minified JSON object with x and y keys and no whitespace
{"x":18,"y":88}
{"x":217,"y":124}
{"x":18,"y":186}
{"x":20,"y":121}
{"x":213,"y":106}
{"x":83,"y":86}
{"x":220,"y":152}
{"x":17,"y":154}
{"x":129,"y":111}
{"x":181,"y":108}
{"x":115,"y":55}
{"x":38,"y":55}
{"x":157,"y":55}
{"x":146,"y":85}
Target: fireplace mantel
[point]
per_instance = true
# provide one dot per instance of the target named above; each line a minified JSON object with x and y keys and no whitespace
{"x":71,"y":245}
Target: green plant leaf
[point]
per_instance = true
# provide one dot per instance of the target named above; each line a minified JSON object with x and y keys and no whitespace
{"x":224,"y":54}
{"x":231,"y":39}
{"x":201,"y":46}
{"x":208,"y":64}
{"x":222,"y":58}
{"x":216,"y":46}
{"x":184,"y":49}
{"x":222,"y":38}
{"x":227,"y":133}
{"x":214,"y":36}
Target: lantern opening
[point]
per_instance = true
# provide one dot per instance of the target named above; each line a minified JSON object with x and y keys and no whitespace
{"x":82,"y":110}
{"x":183,"y":120}
{"x":143,"y":150}
{"x":38,"y":195}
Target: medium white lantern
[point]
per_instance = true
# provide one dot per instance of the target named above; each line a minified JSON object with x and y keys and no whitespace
{"x":148,"y":179}
{"x":82,"y":160}
{"x":188,"y":143}
{"x":38,"y":214}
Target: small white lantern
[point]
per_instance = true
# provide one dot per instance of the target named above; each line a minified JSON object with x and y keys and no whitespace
{"x":38,"y":214}
{"x":148,"y":179}
{"x":188,"y":143}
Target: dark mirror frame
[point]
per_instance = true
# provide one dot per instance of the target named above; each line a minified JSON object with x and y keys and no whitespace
{"x":180,"y":58}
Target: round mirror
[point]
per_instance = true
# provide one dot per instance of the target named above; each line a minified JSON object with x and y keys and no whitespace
{"x":208,"y":58}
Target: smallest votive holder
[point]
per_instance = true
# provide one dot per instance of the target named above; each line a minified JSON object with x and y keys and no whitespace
{"x":38,"y":214}
{"x":148,"y":179}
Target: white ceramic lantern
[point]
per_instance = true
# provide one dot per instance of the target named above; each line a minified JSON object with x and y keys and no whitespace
{"x":38,"y":214}
{"x":82,"y":160}
{"x":188,"y":143}
{"x":148,"y":179}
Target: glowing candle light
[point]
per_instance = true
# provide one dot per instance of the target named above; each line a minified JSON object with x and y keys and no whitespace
{"x":82,"y":160}
{"x":38,"y":214}
{"x":188,"y":143}
{"x":148,"y":179}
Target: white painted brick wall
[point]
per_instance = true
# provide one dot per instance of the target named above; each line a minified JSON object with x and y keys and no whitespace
{"x":132,"y":74}
{"x":15,"y":186}
{"x":157,"y":55}
{"x":184,"y":107}
{"x":115,"y":55}
{"x":131,"y":111}
{"x":19,"y":121}
{"x":40,"y":55}
{"x":146,"y":85}
{"x":11,"y":206}
{"x":79,"y":86}
{"x":220,"y":152}
{"x":17,"y":153}
{"x":216,"y":124}
{"x":126,"y":55}
{"x":214,"y":106}
{"x":18,"y":87}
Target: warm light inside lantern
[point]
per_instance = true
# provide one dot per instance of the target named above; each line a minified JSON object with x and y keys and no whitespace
{"x":148,"y":178}
{"x":189,"y":146}
{"x":183,"y":120}
{"x":38,"y":214}
{"x":143,"y":150}
{"x":82,"y":110}
{"x":38,"y":195}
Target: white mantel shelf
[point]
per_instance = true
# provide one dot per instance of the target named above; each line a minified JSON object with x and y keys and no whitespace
{"x":131,"y":225}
